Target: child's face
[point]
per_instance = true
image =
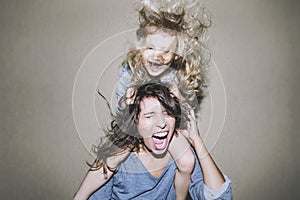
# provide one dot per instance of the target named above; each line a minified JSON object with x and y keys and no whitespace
{"x":159,"y":52}
{"x":155,"y":125}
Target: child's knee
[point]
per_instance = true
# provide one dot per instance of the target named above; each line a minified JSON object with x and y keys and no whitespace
{"x":186,"y":162}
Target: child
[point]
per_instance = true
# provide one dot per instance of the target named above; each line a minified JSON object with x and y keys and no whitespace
{"x":170,"y":49}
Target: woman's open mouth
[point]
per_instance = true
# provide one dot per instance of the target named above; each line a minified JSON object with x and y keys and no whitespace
{"x":160,"y":140}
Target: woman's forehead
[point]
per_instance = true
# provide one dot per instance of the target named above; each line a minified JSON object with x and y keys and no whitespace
{"x":150,"y":104}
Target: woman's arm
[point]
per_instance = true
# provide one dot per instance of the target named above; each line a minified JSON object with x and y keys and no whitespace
{"x":212,"y":176}
{"x":93,"y":180}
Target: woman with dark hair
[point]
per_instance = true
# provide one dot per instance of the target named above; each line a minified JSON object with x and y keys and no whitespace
{"x":146,"y":129}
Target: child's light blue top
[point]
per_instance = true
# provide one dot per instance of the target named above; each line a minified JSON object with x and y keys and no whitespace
{"x":125,"y":81}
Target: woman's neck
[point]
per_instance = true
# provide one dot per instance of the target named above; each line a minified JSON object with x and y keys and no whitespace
{"x":155,"y":165}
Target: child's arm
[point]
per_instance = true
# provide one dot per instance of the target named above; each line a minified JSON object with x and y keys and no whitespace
{"x":184,"y":158}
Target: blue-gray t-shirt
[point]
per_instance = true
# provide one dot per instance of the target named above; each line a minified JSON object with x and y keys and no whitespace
{"x":133,"y":181}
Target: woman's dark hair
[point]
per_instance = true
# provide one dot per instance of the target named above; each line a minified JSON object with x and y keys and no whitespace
{"x":123,"y":136}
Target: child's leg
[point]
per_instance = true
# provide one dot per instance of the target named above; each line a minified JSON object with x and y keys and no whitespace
{"x":185,"y":161}
{"x":94,"y":179}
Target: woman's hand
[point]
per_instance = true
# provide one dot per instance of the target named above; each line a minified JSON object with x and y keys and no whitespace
{"x":192,"y":132}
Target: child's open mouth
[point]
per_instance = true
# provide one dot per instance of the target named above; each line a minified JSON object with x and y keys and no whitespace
{"x":153,"y":64}
{"x":160,"y":140}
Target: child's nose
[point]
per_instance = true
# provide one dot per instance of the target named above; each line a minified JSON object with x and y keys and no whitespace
{"x":158,"y":53}
{"x":158,"y":59}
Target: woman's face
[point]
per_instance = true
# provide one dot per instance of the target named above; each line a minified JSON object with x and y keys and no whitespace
{"x":155,"y":125}
{"x":159,"y":52}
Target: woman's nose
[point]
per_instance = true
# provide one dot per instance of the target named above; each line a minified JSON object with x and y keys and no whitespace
{"x":160,"y":121}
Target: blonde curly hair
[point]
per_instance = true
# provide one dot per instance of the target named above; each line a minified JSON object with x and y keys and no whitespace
{"x":189,"y":25}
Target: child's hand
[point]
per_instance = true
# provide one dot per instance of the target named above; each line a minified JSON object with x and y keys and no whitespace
{"x":174,"y":90}
{"x":129,"y":98}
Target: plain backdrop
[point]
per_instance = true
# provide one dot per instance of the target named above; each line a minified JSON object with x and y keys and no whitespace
{"x":255,"y":45}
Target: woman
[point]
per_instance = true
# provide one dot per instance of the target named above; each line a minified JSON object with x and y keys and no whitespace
{"x":148,"y":172}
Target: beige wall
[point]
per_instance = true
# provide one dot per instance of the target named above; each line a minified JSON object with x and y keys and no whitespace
{"x":255,"y":45}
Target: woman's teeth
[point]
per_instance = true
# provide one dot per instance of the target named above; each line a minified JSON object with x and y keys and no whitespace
{"x":161,"y":135}
{"x":160,"y":140}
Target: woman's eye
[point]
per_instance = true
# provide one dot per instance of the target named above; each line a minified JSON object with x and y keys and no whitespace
{"x":148,"y":116}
